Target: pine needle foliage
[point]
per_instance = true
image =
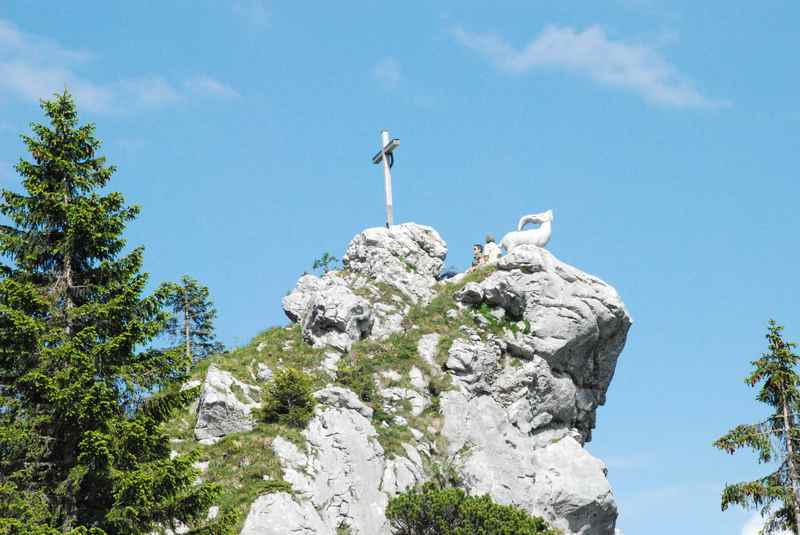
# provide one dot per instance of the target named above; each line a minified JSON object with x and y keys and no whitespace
{"x":83,"y":392}
{"x":774,"y":440}
{"x":288,"y":398}
{"x":193,"y":318}
{"x":449,"y":511}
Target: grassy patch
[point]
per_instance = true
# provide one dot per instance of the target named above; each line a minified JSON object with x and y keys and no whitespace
{"x":398,"y":352}
{"x":280,"y":347}
{"x":240,"y":394}
{"x":240,"y":462}
{"x":246,"y":467}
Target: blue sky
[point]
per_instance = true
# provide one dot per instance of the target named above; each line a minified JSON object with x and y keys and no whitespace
{"x":664,"y":135}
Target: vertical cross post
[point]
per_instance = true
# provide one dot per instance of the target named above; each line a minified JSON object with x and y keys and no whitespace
{"x":386,"y":157}
{"x":387,"y":179}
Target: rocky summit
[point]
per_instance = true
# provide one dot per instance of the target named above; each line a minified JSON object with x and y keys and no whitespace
{"x":491,"y":378}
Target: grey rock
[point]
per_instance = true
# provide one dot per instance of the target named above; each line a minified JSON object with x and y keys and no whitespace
{"x":219,"y":411}
{"x":279,"y":514}
{"x":297,"y":303}
{"x":427,"y":348}
{"x":331,"y":363}
{"x":264,"y":372}
{"x":328,"y":311}
{"x":337,"y":317}
{"x":556,"y":479}
{"x":417,"y":378}
{"x":336,"y":396}
{"x":524,"y":401}
{"x":473,"y":362}
{"x":341,"y":475}
{"x":388,"y":320}
{"x":578,"y":323}
{"x":397,"y":395}
{"x":402,"y":473}
{"x":408,"y":257}
{"x":391,"y":375}
{"x":471,"y":294}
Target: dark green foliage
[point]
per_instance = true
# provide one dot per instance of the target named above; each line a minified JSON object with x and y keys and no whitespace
{"x":774,"y":440}
{"x":356,"y":374}
{"x":325,"y":263}
{"x":81,"y":441}
{"x":288,"y":398}
{"x":193,"y":320}
{"x":449,"y":511}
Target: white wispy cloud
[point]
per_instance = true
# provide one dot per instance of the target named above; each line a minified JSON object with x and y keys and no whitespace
{"x":207,"y":85}
{"x":591,"y":53}
{"x":34,"y":67}
{"x":253,"y":12}
{"x":388,"y":72}
{"x":754,"y":524}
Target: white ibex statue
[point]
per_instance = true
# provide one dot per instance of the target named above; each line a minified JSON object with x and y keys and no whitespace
{"x":538,"y":236}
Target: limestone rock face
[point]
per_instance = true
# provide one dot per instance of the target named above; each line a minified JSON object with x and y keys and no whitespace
{"x":408,"y":257}
{"x":573,"y":321}
{"x":507,"y":400}
{"x":344,"y":477}
{"x":220,"y":411}
{"x":328,"y":311}
{"x":526,"y":399}
{"x":549,"y":474}
{"x":279,"y":514}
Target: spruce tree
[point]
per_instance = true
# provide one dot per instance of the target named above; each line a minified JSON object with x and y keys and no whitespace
{"x":193,"y":319}
{"x":775,"y":440}
{"x":82,"y":391}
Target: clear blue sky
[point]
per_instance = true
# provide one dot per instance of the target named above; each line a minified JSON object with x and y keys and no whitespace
{"x":663,"y":134}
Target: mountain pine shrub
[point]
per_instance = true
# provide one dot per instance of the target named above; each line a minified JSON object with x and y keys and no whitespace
{"x":288,"y":398}
{"x":432,"y":510}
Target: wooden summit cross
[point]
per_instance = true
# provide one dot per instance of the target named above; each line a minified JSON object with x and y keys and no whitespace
{"x":386,"y":155}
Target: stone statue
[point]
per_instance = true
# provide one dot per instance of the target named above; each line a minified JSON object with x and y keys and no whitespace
{"x":538,"y":236}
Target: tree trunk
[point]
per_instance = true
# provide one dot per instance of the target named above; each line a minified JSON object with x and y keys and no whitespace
{"x":68,"y":304}
{"x":186,"y":318}
{"x":788,"y":425}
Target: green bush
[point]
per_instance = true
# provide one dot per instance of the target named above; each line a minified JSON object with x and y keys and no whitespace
{"x":288,"y":398}
{"x":435,"y":511}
